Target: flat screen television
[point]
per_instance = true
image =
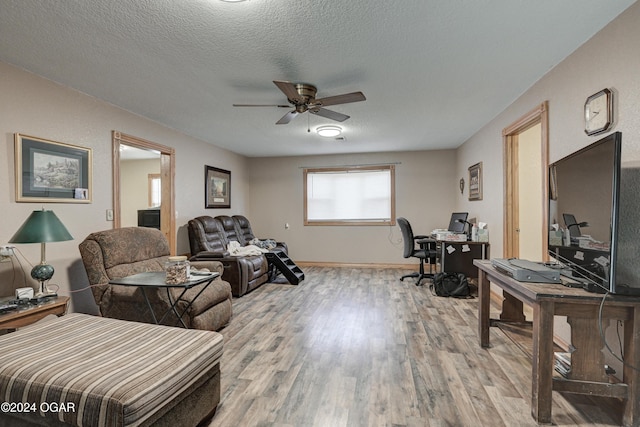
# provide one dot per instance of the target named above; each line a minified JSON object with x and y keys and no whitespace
{"x":594,"y":217}
{"x":149,"y":218}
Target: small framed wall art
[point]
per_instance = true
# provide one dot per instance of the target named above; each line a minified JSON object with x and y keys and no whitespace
{"x":475,"y":182}
{"x":217,"y":188}
{"x":49,"y":171}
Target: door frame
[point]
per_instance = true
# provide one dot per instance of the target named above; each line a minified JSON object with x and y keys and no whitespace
{"x":167,"y":178}
{"x":539,"y":115}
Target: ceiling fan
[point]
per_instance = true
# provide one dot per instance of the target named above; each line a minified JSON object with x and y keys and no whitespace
{"x":302,"y":96}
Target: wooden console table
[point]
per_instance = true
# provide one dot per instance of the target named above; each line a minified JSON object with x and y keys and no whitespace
{"x":587,"y":375}
{"x":31,"y":313}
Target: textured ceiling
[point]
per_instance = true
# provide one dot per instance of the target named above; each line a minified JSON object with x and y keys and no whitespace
{"x":433,"y":71}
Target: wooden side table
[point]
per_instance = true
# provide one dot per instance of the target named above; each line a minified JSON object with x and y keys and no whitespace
{"x":157,"y":279}
{"x":581,"y":308}
{"x":32,"y":313}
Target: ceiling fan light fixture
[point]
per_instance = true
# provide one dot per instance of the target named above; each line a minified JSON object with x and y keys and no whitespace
{"x":329,"y":131}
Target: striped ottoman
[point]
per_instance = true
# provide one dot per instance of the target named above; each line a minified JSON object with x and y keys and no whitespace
{"x":84,"y":370}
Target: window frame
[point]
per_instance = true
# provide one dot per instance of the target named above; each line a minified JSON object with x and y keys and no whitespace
{"x":348,"y":169}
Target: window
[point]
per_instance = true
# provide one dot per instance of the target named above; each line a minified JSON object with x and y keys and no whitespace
{"x":155,"y":190}
{"x":350,"y":196}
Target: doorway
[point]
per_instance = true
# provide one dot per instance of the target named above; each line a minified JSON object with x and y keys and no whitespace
{"x":526,"y":146}
{"x":166,"y":156}
{"x":140,"y":196}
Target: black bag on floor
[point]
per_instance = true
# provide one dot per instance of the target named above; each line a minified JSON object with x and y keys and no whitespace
{"x":450,"y":285}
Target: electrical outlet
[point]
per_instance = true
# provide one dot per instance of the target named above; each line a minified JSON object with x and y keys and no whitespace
{"x":6,"y":252}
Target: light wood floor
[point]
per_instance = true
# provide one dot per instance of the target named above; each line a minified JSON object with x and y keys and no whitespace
{"x":357,"y":347}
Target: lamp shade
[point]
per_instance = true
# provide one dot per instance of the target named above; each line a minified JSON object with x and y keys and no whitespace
{"x":41,"y":227}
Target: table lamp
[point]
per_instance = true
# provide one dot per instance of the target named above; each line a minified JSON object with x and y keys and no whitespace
{"x":42,"y":227}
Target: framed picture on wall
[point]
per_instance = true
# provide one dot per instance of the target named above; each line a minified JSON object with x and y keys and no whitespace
{"x":217,"y":188}
{"x":475,"y":182}
{"x":49,"y":171}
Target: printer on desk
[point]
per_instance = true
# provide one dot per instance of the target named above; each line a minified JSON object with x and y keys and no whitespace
{"x":446,"y":235}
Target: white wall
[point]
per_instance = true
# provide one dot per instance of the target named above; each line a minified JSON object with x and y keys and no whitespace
{"x":426,"y":187}
{"x":609,"y":60}
{"x":34,"y":106}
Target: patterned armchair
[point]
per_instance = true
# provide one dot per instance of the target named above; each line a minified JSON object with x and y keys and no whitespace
{"x":121,"y":252}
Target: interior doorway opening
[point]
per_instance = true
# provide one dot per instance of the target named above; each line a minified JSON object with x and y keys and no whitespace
{"x":517,"y":240}
{"x":165,"y":156}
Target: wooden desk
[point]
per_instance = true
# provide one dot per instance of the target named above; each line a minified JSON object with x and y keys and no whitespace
{"x":32,"y":313}
{"x":457,"y":257}
{"x":587,"y":374}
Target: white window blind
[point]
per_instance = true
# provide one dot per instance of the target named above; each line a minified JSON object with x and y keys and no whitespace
{"x":350,"y":195}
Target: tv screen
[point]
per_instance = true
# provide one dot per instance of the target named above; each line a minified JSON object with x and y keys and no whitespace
{"x":149,"y":218}
{"x":589,"y":191}
{"x":454,"y":225}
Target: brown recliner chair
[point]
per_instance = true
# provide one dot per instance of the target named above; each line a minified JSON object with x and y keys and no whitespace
{"x":209,"y":239}
{"x":121,"y":252}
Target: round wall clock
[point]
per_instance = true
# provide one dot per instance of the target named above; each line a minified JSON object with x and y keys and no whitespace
{"x":598,"y":112}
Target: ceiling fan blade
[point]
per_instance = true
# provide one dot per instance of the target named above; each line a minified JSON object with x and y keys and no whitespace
{"x":289,"y":89}
{"x":261,"y":105}
{"x":329,"y":114}
{"x":340,"y":99}
{"x":287,"y":117}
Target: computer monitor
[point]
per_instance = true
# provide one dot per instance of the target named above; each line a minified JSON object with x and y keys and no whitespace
{"x":456,"y":226}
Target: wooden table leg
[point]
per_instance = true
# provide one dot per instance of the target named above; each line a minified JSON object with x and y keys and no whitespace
{"x":484,"y":305}
{"x":587,"y":360}
{"x":542,"y":369}
{"x":630,"y":374}
{"x":512,"y":309}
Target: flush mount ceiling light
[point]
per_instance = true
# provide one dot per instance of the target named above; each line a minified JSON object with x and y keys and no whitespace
{"x":232,"y":1}
{"x":329,"y":131}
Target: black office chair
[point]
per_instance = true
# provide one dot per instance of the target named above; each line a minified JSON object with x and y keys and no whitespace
{"x":573,"y":225}
{"x":426,"y":250}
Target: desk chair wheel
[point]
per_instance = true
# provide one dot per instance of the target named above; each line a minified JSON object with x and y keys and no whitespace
{"x":419,"y":276}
